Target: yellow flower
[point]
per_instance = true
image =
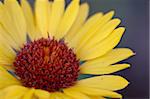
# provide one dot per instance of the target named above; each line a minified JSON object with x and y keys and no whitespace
{"x":44,"y":54}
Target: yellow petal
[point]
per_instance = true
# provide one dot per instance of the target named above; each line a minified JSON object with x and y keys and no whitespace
{"x":67,"y":19}
{"x":29,"y":94}
{"x":97,"y":97}
{"x":30,"y":21}
{"x":2,"y":69}
{"x":7,"y":79}
{"x":90,"y":27}
{"x":5,"y":61}
{"x":56,"y":15}
{"x":13,"y":92}
{"x":7,"y":54}
{"x":41,"y":94}
{"x":81,"y":17}
{"x":4,"y":56}
{"x":5,"y":38}
{"x":86,"y":27}
{"x":41,"y":13}
{"x":7,"y":67}
{"x":75,"y":94}
{"x":103,"y":47}
{"x":7,"y":51}
{"x":15,"y":24}
{"x":106,"y":82}
{"x":114,"y":56}
{"x":63,"y":96}
{"x":95,"y":91}
{"x":98,"y":70}
{"x":52,"y":96}
{"x":59,"y":95}
{"x":5,"y":21}
{"x":98,"y":34}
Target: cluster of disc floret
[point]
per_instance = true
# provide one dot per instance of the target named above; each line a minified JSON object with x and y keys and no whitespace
{"x":47,"y":64}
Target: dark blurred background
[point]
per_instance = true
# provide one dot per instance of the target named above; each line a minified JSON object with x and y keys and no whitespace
{"x":135,"y":17}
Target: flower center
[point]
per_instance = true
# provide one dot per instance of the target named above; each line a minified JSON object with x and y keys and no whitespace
{"x":47,"y":64}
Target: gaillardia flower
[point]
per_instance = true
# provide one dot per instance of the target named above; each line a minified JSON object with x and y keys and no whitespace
{"x":45,"y":53}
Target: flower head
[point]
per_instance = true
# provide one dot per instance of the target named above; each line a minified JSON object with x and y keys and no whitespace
{"x":45,"y":52}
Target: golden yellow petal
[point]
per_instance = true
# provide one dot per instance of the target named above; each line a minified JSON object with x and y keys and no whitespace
{"x":41,"y":13}
{"x":6,"y":58}
{"x":7,"y":67}
{"x":113,"y":56}
{"x":29,"y":94}
{"x":98,"y":34}
{"x":30,"y":20}
{"x":106,"y":82}
{"x":75,"y":94}
{"x":41,"y":94}
{"x":57,"y":12}
{"x":98,"y":70}
{"x":67,"y":19}
{"x":90,"y":27}
{"x":7,"y":54}
{"x":96,"y":91}
{"x":85,"y":28}
{"x":13,"y":21}
{"x":5,"y":38}
{"x":97,"y":97}
{"x":59,"y":95}
{"x":81,"y":17}
{"x":13,"y":92}
{"x":7,"y":79}
{"x":103,"y":47}
{"x":5,"y":21}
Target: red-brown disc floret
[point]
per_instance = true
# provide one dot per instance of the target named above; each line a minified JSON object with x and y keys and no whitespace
{"x":47,"y":64}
